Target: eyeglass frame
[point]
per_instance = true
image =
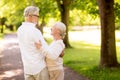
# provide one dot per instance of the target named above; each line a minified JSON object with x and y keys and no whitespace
{"x":34,"y":15}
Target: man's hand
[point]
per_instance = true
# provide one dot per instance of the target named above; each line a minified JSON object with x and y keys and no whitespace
{"x":38,"y":45}
{"x":62,"y":54}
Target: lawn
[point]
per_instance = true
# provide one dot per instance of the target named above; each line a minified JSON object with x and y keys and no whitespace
{"x":84,"y":57}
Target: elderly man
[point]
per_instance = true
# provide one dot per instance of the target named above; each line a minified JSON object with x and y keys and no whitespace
{"x":33,"y":61}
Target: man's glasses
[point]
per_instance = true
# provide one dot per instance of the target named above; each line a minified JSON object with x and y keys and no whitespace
{"x":35,"y":15}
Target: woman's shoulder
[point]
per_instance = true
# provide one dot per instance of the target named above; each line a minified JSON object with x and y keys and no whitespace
{"x":60,"y":42}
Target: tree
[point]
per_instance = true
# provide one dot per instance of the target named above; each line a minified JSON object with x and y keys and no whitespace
{"x":108,"y":46}
{"x":64,"y":6}
{"x":13,"y":11}
{"x":45,"y":13}
{"x":2,"y":23}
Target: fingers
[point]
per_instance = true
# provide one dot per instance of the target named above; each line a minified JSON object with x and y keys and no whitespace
{"x":38,"y":45}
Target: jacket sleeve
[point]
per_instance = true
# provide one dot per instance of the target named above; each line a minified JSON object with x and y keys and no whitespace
{"x":54,"y":51}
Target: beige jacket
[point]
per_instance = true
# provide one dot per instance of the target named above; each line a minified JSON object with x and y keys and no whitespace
{"x":54,"y":62}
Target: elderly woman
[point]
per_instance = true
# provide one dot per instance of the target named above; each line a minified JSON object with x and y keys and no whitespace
{"x":54,"y":54}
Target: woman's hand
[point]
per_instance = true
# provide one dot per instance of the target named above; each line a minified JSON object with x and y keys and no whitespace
{"x":38,"y":45}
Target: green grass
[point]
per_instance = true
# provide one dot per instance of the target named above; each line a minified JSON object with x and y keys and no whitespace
{"x":85,"y":61}
{"x":84,"y":57}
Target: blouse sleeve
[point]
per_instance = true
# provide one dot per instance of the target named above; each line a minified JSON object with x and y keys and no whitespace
{"x":54,"y":51}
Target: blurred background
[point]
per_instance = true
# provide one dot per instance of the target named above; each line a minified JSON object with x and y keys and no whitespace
{"x":83,"y":39}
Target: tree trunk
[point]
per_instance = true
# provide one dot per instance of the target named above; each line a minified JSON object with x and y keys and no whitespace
{"x":40,"y":27}
{"x":2,"y":30}
{"x":64,"y":10}
{"x":108,"y":46}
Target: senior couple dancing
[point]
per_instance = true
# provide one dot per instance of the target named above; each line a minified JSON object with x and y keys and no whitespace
{"x":40,"y":60}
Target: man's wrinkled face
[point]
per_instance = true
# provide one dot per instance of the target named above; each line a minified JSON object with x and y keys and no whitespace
{"x":35,"y":18}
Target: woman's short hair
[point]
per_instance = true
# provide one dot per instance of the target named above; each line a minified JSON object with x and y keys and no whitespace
{"x":61,"y":26}
{"x":31,"y":10}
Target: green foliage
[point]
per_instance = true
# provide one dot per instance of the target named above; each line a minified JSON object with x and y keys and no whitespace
{"x":47,"y":7}
{"x":3,"y":20}
{"x":89,"y":6}
{"x":83,"y":18}
{"x":117,"y":14}
{"x":48,"y":10}
{"x":85,"y":11}
{"x":13,"y":9}
{"x":13,"y":12}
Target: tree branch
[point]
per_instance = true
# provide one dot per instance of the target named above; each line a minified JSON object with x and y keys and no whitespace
{"x":60,"y":5}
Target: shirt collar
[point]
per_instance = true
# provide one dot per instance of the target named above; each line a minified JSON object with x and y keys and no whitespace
{"x":28,"y":23}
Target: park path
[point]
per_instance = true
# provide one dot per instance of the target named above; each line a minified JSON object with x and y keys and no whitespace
{"x":11,"y":67}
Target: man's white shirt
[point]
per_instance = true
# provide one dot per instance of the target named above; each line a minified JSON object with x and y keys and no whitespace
{"x":33,"y":59}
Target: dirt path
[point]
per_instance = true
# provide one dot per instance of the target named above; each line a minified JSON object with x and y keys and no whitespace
{"x":11,"y":67}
